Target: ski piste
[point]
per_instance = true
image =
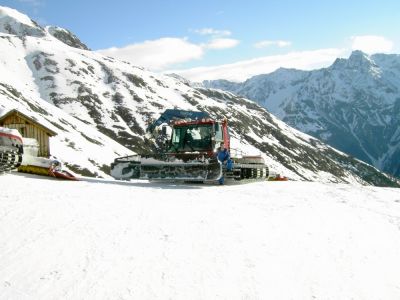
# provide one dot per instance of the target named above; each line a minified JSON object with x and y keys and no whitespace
{"x":162,"y":167}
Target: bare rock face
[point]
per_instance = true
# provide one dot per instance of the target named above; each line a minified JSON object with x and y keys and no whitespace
{"x":67,"y":37}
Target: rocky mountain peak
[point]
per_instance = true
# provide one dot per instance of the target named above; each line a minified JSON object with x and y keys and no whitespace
{"x":16,"y":23}
{"x":352,"y":105}
{"x":67,"y":37}
{"x":359,"y":60}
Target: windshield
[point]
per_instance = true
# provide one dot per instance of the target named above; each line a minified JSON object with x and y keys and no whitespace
{"x":191,"y":138}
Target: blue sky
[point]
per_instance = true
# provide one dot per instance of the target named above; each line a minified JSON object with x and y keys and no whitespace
{"x":224,"y":39}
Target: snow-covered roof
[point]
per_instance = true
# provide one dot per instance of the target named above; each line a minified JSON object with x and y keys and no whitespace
{"x":30,"y":119}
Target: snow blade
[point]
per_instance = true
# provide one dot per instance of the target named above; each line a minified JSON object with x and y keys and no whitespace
{"x":166,"y":168}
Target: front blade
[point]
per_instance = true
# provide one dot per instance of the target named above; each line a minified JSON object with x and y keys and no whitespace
{"x":155,"y":168}
{"x":189,"y":171}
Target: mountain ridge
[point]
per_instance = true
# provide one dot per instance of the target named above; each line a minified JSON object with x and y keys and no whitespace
{"x":100,"y":107}
{"x":352,"y":105}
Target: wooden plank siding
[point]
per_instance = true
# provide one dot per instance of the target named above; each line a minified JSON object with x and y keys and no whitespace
{"x":29,"y":129}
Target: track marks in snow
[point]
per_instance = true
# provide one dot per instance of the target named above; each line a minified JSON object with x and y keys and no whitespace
{"x":100,"y":240}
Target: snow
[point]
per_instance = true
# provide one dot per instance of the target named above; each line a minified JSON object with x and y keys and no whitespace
{"x":14,"y":22}
{"x":9,"y":13}
{"x":104,"y":239}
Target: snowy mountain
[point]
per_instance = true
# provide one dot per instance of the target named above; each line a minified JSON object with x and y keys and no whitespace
{"x":353,"y":105}
{"x":100,"y":107}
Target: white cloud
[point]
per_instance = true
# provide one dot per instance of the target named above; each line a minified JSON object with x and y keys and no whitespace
{"x":240,"y":71}
{"x":267,"y":43}
{"x":158,"y":54}
{"x":213,"y":32}
{"x":371,"y":44}
{"x":221,"y":43}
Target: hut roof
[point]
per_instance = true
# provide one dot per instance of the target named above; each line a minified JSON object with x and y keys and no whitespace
{"x":20,"y":114}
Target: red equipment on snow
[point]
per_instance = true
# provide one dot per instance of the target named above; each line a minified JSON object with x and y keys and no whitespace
{"x":189,"y":152}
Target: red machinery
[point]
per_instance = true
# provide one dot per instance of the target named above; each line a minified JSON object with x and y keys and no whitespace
{"x":189,"y":152}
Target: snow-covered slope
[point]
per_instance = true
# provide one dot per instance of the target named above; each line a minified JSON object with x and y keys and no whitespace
{"x":270,"y":240}
{"x":80,"y":146}
{"x":354,"y":105}
{"x":86,"y":96}
{"x":15,"y":23}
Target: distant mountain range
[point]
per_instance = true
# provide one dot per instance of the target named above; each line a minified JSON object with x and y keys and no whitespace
{"x":353,"y":105}
{"x":100,"y":107}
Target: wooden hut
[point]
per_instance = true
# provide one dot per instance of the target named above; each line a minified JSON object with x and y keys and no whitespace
{"x":29,"y":128}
